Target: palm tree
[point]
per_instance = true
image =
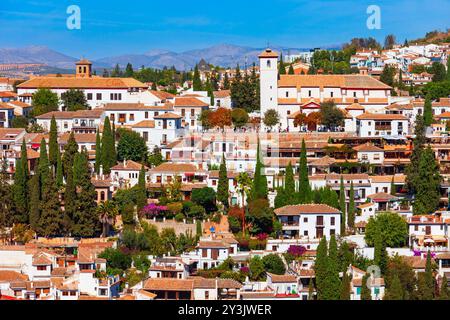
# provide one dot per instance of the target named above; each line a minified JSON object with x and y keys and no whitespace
{"x":107,"y":212}
{"x":244,"y":185}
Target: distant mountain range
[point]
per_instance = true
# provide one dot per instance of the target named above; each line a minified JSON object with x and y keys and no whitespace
{"x":224,"y":55}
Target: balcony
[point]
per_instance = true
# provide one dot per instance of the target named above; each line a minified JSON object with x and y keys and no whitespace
{"x":383,"y":127}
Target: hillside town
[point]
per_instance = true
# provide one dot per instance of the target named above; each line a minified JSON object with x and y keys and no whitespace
{"x":297,"y":178}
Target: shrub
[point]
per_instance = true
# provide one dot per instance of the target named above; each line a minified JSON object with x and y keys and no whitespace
{"x":234,"y":223}
{"x":273,"y":264}
{"x":175,"y":208}
{"x":179,"y":217}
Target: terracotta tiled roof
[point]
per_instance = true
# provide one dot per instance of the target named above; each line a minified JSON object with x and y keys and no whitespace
{"x":398,"y":178}
{"x":79,"y":137}
{"x":41,"y":260}
{"x":381,"y":116}
{"x":305,"y":209}
{"x":189,"y":102}
{"x":367,"y":148}
{"x":168,"y":115}
{"x":81,"y":83}
{"x":5,"y":106}
{"x":8,"y":276}
{"x":175,"y":167}
{"x":145,"y":124}
{"x":212,"y":244}
{"x":222,"y":94}
{"x":282,"y":278}
{"x":168,"y":284}
{"x":381,"y":196}
{"x":268,"y":53}
{"x":162,"y":95}
{"x":336,"y":81}
{"x":136,"y":106}
{"x":128,"y":165}
{"x":355,"y":106}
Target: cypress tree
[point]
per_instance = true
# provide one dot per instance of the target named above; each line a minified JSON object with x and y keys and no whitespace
{"x":345,"y":287}
{"x":412,"y":171}
{"x":395,"y":290}
{"x":310,"y":289}
{"x":196,"y":82}
{"x":259,"y":187}
{"x":444,"y":293}
{"x":53,"y":143}
{"x":427,"y":111}
{"x":51,"y":218}
{"x":108,"y":149}
{"x":98,"y":153}
{"x":365,"y":291}
{"x":304,"y":187}
{"x":282,"y":68}
{"x":291,"y":70}
{"x":393,"y":188}
{"x":351,"y":207}
{"x":428,"y":184}
{"x":69,"y":202}
{"x":59,"y":170}
{"x":85,"y":220}
{"x":428,"y":289}
{"x":44,"y":164}
{"x":6,"y":197}
{"x":342,"y":206}
{"x":20,"y":187}
{"x":321,"y":269}
{"x":380,"y":256}
{"x":332,"y":280}
{"x":222,"y":186}
{"x":289,"y":185}
{"x":226,"y":82}
{"x":141,"y":200}
{"x":35,"y":202}
{"x":70,"y":150}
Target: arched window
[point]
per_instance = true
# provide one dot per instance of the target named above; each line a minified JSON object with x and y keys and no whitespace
{"x":102,"y":196}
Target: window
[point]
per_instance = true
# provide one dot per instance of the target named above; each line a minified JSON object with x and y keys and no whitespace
{"x":102,"y":196}
{"x":192,"y":123}
{"x":354,"y":94}
{"x":183,"y":112}
{"x":89,"y":96}
{"x":309,"y":93}
{"x":192,"y":112}
{"x":305,"y":220}
{"x":146,"y":114}
{"x":331,"y":94}
{"x":305,"y":233}
{"x":206,"y":295}
{"x":42,"y":268}
{"x":145,"y":136}
{"x":99,"y":96}
{"x":333,"y":221}
{"x":268,"y":64}
{"x":131,"y":116}
{"x":287,"y":94}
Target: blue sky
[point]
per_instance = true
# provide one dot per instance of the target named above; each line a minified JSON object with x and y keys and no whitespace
{"x":110,"y":27}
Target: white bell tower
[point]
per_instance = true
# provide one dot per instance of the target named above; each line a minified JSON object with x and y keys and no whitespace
{"x":268,"y":63}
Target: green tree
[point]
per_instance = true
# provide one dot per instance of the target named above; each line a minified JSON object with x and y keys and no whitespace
{"x":438,"y":71}
{"x":282,"y":67}
{"x":51,"y":218}
{"x":239,"y":117}
{"x":345,"y":287}
{"x":381,"y":257}
{"x":6,"y":197}
{"x":273,"y":264}
{"x":392,"y":227}
{"x":223,"y":185}
{"x":197,"y":83}
{"x":35,"y":198}
{"x":444,"y":293}
{"x":85,"y":220}
{"x":321,"y":269}
{"x":20,"y":187}
{"x":351,"y":207}
{"x":142,"y":194}
{"x":427,"y":112}
{"x":44,"y":164}
{"x":394,"y":291}
{"x":73,"y":100}
{"x":256,"y":267}
{"x":387,"y":76}
{"x":304,"y":188}
{"x":365,"y":290}
{"x":428,"y":184}
{"x":259,"y":188}
{"x":271,"y":118}
{"x":291,"y":70}
{"x":226,"y":82}
{"x":412,"y":170}
{"x":331,"y":116}
{"x":53,"y":147}
{"x":332,"y":280}
{"x":131,"y":146}
{"x":108,"y":149}
{"x":205,"y":197}
{"x":107,"y":212}
{"x":59,"y":170}
{"x":129,"y":72}
{"x":70,"y":150}
{"x":342,"y":206}
{"x":427,"y":290}
{"x":43,"y":101}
